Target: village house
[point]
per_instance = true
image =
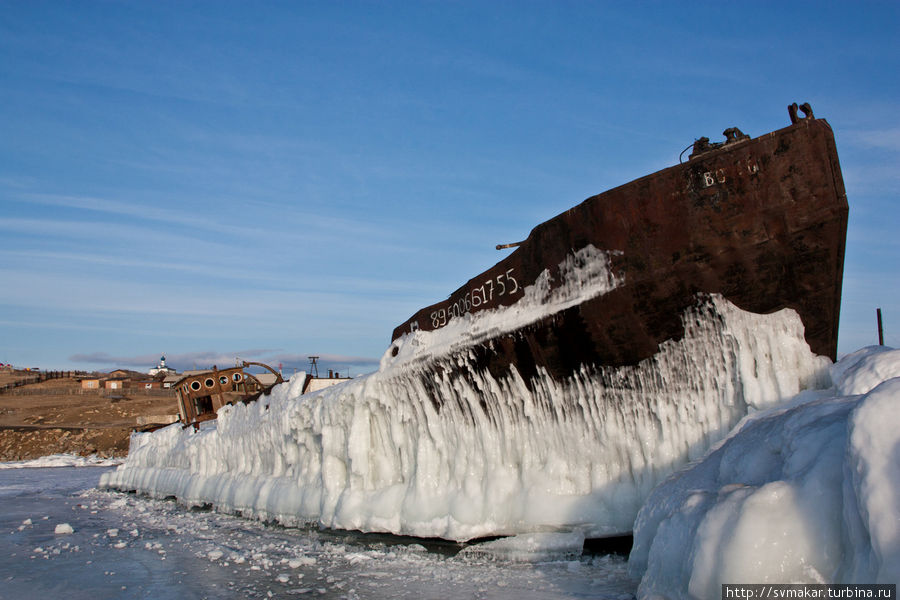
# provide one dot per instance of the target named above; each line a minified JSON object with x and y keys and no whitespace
{"x":90,"y":383}
{"x":170,"y":380}
{"x":115,"y":383}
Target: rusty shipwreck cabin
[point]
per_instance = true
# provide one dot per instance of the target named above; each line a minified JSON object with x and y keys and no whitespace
{"x":201,"y":393}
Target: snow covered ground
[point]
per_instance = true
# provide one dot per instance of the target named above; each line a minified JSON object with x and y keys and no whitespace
{"x":60,"y":537}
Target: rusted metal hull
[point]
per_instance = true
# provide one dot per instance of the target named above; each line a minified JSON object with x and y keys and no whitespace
{"x":202,"y":393}
{"x":760,"y":221}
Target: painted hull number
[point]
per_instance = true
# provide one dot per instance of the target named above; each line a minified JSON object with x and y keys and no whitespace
{"x":711,"y":178}
{"x":480,"y":297}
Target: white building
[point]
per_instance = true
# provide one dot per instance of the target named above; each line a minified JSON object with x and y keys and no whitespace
{"x":161,"y":368}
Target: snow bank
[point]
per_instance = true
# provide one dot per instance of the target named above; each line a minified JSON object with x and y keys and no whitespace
{"x":808,"y":493}
{"x":432,"y":445}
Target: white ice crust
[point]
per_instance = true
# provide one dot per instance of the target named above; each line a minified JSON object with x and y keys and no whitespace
{"x":61,"y":460}
{"x":808,"y":492}
{"x":463,"y":454}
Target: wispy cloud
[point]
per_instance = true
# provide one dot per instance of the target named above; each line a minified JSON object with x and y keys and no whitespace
{"x":201,"y":359}
{"x":258,"y":295}
{"x":209,"y":358}
{"x":332,"y":359}
{"x":142,"y":211}
{"x":885,"y":139}
{"x":308,"y":229}
{"x":134,"y":236}
{"x":64,"y":261}
{"x":865,"y":179}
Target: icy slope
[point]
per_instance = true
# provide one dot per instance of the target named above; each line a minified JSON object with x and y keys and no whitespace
{"x":804,"y":494}
{"x":495,"y":455}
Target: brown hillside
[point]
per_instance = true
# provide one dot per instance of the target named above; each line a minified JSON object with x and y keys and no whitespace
{"x":56,"y":416}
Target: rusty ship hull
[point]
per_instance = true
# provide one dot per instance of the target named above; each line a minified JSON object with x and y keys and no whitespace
{"x":761,"y":222}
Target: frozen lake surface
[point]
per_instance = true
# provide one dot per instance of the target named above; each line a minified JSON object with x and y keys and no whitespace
{"x":127,"y":546}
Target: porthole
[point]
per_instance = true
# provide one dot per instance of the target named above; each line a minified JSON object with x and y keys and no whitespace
{"x":237,"y":377}
{"x":209,"y":382}
{"x":195,"y":385}
{"x":223,"y":380}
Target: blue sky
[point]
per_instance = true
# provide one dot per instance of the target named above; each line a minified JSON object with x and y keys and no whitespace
{"x":277,"y":179}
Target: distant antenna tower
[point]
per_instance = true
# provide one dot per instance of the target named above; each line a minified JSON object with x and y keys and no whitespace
{"x":313,"y":366}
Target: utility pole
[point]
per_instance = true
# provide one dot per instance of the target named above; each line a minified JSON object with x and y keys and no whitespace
{"x":880,"y":327}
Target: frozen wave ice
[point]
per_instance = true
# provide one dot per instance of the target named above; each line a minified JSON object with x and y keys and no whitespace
{"x":494,"y":455}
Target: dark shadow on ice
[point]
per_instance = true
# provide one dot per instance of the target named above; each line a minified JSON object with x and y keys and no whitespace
{"x":619,"y":545}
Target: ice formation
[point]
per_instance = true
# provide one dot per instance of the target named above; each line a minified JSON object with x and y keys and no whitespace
{"x":494,"y":455}
{"x":63,"y":529}
{"x":804,"y":493}
{"x":530,"y":547}
{"x":61,"y":460}
{"x":163,"y":552}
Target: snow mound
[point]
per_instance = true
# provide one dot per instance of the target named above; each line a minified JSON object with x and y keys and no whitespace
{"x":804,"y":494}
{"x":864,"y":369}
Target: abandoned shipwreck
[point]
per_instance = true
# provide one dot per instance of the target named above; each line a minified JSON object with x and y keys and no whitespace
{"x":619,"y":341}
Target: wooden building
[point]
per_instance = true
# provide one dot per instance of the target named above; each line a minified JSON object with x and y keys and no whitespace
{"x":115,"y":383}
{"x":90,"y":383}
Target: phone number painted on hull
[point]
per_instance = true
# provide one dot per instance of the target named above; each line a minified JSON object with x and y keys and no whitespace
{"x":486,"y":295}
